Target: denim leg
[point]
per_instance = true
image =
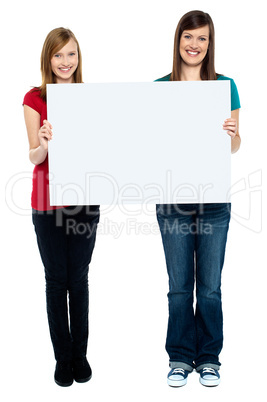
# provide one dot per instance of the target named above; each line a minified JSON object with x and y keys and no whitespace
{"x":80,"y":248}
{"x":175,"y":224}
{"x":52,"y":245}
{"x":210,"y":251}
{"x":200,"y":230}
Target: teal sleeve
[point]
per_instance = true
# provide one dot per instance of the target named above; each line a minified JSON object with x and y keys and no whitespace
{"x":235,"y":101}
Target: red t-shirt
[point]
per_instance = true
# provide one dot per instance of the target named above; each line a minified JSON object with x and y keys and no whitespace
{"x":40,"y":183}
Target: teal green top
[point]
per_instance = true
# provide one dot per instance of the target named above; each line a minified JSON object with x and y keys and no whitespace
{"x":235,"y":101}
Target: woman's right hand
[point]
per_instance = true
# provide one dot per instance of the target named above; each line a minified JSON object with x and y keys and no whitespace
{"x":45,"y":134}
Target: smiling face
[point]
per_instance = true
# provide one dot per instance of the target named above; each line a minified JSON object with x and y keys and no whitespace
{"x":65,"y":62}
{"x":194,"y":45}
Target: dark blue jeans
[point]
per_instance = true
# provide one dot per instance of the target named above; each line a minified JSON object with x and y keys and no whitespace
{"x":194,"y":240}
{"x":66,"y":239}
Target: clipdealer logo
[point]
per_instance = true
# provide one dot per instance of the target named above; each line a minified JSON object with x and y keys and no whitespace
{"x":246,"y":196}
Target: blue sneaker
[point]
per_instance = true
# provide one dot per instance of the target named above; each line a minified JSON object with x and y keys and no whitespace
{"x":177,"y":377}
{"x":209,"y":377}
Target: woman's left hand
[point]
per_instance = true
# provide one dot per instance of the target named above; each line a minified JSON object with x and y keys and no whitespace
{"x":231,"y":126}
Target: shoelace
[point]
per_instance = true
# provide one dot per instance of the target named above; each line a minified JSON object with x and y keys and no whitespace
{"x":209,"y":370}
{"x":179,"y":371}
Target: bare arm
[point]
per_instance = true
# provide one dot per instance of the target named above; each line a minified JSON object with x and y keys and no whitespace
{"x":38,"y":136}
{"x":232,"y":127}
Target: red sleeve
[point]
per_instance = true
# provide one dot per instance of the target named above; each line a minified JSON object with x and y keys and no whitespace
{"x":32,"y":99}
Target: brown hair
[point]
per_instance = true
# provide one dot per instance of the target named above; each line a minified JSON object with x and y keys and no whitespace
{"x":192,"y":20}
{"x":56,"y":40}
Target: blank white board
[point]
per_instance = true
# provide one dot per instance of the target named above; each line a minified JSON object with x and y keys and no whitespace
{"x":158,"y":142}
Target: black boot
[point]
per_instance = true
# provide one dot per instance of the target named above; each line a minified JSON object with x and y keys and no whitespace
{"x":64,"y":374}
{"x":81,"y":370}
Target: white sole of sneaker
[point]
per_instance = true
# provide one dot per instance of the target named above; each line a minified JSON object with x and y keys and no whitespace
{"x":209,"y":383}
{"x":176,"y":383}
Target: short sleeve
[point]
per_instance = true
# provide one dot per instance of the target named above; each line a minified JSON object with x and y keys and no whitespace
{"x":165,"y":78}
{"x":33,"y":100}
{"x":235,"y":101}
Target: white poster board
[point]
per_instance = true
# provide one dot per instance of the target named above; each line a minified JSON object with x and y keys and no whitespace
{"x":158,"y":142}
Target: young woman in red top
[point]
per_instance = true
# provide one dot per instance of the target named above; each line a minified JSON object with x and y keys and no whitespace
{"x":65,"y":253}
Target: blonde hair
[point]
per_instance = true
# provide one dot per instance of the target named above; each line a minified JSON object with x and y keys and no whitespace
{"x":56,"y":40}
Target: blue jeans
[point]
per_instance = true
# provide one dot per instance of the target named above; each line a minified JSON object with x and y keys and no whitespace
{"x":66,"y":239}
{"x":194,"y":240}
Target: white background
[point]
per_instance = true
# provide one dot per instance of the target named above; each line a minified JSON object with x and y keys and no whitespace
{"x":130,"y":41}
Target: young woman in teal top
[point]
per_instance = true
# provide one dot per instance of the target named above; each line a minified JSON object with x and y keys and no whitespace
{"x":195,"y":336}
